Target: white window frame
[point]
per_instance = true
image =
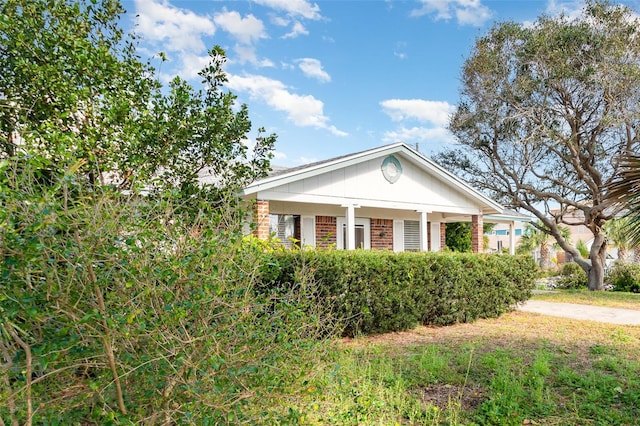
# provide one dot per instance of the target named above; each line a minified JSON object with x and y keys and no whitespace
{"x":360,"y":221}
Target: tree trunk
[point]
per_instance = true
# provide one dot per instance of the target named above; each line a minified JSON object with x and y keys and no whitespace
{"x":544,"y":256}
{"x":597,"y":255}
{"x":622,"y":254}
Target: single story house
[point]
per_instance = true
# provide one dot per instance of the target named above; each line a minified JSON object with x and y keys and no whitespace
{"x":390,"y":198}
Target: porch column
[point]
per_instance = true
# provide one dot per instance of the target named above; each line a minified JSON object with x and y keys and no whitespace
{"x":512,"y":237}
{"x":261,"y":219}
{"x":424,"y":234}
{"x":476,"y":233}
{"x":350,"y":244}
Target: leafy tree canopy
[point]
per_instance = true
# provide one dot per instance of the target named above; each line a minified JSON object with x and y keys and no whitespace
{"x":74,"y":89}
{"x":545,"y":112}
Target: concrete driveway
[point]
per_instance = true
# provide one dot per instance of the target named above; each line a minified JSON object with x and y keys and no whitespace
{"x":582,"y":312}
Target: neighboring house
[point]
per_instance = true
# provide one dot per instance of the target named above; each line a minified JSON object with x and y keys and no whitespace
{"x":389,"y":198}
{"x":506,"y":234}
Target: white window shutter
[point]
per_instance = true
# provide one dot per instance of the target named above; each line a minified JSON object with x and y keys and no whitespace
{"x":398,"y":235}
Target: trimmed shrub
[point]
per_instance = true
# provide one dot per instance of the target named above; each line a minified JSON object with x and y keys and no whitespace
{"x":378,"y":291}
{"x":572,"y":276}
{"x":625,"y":277}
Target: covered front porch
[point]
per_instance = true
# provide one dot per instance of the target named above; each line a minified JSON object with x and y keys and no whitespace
{"x":352,"y":226}
{"x":388,"y":198}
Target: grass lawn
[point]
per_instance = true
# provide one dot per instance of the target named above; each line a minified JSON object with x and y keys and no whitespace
{"x":518,"y":369}
{"x":611,"y":299}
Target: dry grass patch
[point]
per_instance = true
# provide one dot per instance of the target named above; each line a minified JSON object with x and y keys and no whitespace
{"x":609,"y":299}
{"x":514,"y":330}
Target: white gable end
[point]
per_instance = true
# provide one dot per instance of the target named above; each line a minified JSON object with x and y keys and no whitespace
{"x":365,"y":184}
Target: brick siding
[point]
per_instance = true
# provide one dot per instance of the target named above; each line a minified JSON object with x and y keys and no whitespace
{"x":325,"y":231}
{"x":476,"y":234}
{"x":261,"y":219}
{"x":382,"y":234}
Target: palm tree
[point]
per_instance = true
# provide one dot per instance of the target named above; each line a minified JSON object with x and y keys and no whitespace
{"x":534,"y":237}
{"x":624,"y":194}
{"x":618,"y":234}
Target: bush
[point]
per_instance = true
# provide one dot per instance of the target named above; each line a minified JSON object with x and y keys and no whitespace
{"x":625,"y":277}
{"x":376,"y":291}
{"x":118,"y":310}
{"x":572,"y":276}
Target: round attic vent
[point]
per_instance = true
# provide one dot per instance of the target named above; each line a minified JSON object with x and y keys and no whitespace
{"x":391,"y":169}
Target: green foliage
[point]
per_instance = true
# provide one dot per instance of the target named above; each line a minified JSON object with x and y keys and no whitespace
{"x":581,"y":246}
{"x":526,"y":92}
{"x":376,"y":292}
{"x":572,"y":276}
{"x":625,"y":277}
{"x":108,"y":286}
{"x":119,"y":308}
{"x":458,"y":235}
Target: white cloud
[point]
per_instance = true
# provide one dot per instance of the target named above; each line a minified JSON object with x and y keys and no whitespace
{"x":435,"y":112}
{"x":280,"y":21}
{"x":176,"y":29}
{"x":302,"y":110}
{"x":466,"y":12}
{"x":246,"y":30}
{"x":313,"y":68}
{"x":295,"y":8}
{"x":307,"y":160}
{"x":296,"y":30}
{"x":191,"y":65}
{"x":401,"y":46}
{"x":571,"y":9}
{"x":245,"y":53}
{"x":279,"y":155}
{"x":418,"y":134}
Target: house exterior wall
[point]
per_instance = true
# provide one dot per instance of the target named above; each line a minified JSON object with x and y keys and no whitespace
{"x":500,"y":236}
{"x":476,"y":234}
{"x":261,"y":219}
{"x":382,"y":234}
{"x":325,"y":231}
{"x":365,"y":184}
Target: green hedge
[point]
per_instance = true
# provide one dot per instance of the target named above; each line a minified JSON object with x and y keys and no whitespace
{"x":625,"y":277}
{"x":377,"y":291}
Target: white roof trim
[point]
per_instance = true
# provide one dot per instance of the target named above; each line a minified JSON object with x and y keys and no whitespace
{"x":346,"y":161}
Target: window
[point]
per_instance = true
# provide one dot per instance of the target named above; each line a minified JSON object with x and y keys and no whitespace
{"x":283,"y":227}
{"x":362,"y":233}
{"x":502,"y":232}
{"x":518,"y":232}
{"x":359,"y":235}
{"x":412,"y":235}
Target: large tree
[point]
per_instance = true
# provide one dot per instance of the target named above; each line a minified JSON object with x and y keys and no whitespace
{"x":546,"y":109}
{"x":74,"y":89}
{"x":101,"y":289}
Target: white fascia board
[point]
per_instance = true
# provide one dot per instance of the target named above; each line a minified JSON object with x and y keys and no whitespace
{"x":507,"y":218}
{"x":344,"y":201}
{"x":452,"y":179}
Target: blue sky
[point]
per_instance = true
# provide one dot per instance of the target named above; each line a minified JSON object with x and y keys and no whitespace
{"x":333,"y":77}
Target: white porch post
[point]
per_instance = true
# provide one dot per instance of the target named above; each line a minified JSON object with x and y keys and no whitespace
{"x":350,"y":244}
{"x":512,"y":237}
{"x":424,"y":236}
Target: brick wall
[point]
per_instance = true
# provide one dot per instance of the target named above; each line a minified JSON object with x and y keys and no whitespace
{"x":382,"y":234}
{"x":477,"y":234}
{"x":443,"y":235}
{"x":325,"y":231}
{"x":261,"y":218}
